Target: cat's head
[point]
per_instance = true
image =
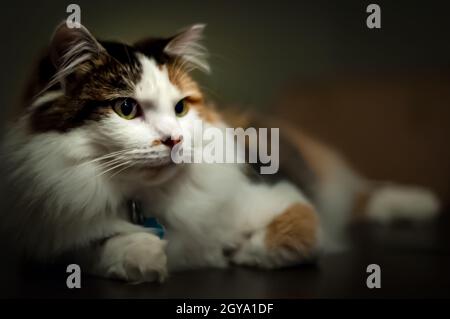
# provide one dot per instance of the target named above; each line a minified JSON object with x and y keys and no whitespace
{"x":130,"y":104}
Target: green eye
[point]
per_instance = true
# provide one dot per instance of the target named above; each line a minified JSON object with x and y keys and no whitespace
{"x":126,"y":108}
{"x":181,"y":108}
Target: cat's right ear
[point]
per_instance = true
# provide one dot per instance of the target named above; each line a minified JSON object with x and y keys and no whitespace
{"x":70,"y":43}
{"x":69,"y":47}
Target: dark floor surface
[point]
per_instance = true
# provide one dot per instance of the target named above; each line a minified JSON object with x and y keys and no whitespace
{"x":414,"y":261}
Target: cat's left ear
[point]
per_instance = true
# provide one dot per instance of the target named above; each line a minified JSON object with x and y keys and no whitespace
{"x":187,"y":44}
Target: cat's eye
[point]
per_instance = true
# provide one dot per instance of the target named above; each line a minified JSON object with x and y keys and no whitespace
{"x":181,"y":108}
{"x":126,"y":108}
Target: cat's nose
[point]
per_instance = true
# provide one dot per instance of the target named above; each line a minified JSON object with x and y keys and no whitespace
{"x":171,"y":142}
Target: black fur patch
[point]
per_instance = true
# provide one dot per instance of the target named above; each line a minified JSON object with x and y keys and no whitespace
{"x":154,"y":48}
{"x":292,"y":166}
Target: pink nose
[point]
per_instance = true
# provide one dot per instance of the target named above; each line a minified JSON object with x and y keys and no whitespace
{"x":171,"y":142}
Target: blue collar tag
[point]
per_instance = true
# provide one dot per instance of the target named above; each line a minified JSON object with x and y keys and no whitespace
{"x":136,"y":217}
{"x":156,"y":227}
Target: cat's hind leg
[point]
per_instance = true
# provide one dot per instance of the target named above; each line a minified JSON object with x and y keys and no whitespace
{"x":291,"y":236}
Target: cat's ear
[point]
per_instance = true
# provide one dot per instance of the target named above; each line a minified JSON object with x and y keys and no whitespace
{"x":70,"y":47}
{"x":187,"y":44}
{"x":70,"y":44}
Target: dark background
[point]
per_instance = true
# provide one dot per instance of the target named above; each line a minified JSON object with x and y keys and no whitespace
{"x":380,"y":96}
{"x":256,"y":46}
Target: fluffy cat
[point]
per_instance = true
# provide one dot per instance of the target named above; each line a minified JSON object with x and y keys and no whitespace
{"x":97,"y":131}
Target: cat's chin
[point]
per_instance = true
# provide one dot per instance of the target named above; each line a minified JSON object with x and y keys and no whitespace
{"x":154,"y":175}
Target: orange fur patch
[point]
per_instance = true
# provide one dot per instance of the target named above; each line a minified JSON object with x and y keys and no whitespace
{"x":179,"y":77}
{"x":295,"y":229}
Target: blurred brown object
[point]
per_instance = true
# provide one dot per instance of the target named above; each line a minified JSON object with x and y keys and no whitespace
{"x":389,"y":127}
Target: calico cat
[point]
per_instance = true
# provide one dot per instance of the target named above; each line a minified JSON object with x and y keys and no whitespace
{"x":96,"y":133}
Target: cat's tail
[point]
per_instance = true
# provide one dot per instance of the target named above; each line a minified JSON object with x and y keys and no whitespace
{"x":342,"y":195}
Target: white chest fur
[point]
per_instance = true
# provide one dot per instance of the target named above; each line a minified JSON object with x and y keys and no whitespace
{"x":210,"y":208}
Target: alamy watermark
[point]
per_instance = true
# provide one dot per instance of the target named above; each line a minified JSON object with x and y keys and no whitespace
{"x":374,"y":279}
{"x":373,"y":20}
{"x":230,"y":145}
{"x":74,"y":18}
{"x":74,"y":279}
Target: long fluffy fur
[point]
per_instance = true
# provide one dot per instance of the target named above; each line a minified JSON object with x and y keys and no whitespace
{"x":67,"y":187}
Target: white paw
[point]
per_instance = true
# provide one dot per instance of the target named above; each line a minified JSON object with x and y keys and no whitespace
{"x":140,"y":257}
{"x":402,"y":202}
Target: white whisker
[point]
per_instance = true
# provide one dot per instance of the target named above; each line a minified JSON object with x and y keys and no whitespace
{"x":112,"y":168}
{"x":122,"y":169}
{"x":106,"y":156}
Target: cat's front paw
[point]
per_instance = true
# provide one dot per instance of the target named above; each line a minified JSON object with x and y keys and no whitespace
{"x":140,"y":257}
{"x":291,"y":238}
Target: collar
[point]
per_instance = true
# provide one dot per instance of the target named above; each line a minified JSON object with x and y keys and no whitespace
{"x":137,"y":217}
